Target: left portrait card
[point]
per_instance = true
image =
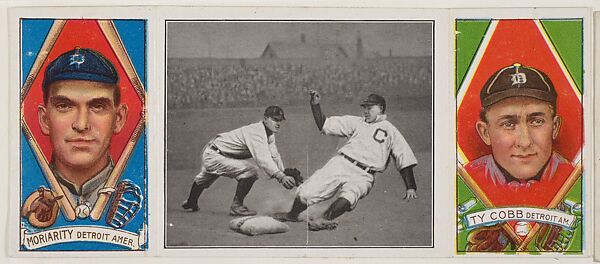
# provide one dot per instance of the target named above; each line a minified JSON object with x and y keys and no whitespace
{"x":83,"y":152}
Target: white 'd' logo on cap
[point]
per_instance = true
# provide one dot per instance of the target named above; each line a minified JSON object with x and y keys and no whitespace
{"x":77,"y":59}
{"x":518,"y":78}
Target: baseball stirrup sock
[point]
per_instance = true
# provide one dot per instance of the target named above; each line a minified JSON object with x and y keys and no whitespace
{"x":337,"y":208}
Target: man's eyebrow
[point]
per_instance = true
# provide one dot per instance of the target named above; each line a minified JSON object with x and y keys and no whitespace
{"x":536,"y":114}
{"x":502,"y":117}
{"x":100,"y":100}
{"x":54,"y":99}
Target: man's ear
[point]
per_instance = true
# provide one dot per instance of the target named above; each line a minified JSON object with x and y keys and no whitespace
{"x":43,"y":119}
{"x":556,"y":123}
{"x":121,"y":118}
{"x":483,"y":131}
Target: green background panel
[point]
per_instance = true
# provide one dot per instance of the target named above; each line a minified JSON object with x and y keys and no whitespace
{"x":567,"y":38}
{"x":469,"y":34}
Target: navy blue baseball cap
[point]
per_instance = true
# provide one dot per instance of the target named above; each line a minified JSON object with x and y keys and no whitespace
{"x":81,"y":64}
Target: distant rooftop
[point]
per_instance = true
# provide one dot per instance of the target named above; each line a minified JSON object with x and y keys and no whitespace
{"x":298,"y":50}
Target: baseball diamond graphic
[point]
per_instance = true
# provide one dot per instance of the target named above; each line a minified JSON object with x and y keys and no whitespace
{"x":122,"y":44}
{"x":553,"y":47}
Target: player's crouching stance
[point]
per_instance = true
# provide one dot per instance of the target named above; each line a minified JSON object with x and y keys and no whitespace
{"x":238,"y":154}
{"x":371,"y":141}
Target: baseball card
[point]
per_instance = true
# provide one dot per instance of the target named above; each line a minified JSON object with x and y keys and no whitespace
{"x":83,"y":162}
{"x":298,"y":133}
{"x":520,"y":100}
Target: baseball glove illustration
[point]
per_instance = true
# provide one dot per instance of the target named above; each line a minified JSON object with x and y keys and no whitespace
{"x":487,"y":238}
{"x":552,"y":237}
{"x":126,"y":203}
{"x":294,"y":173}
{"x":41,"y":208}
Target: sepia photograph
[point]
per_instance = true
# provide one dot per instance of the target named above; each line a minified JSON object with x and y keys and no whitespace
{"x":299,"y":134}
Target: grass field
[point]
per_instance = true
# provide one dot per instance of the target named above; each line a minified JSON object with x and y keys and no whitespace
{"x":380,"y":219}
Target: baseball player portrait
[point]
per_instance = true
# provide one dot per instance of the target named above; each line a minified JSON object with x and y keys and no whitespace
{"x":238,"y":154}
{"x":518,"y":121}
{"x":81,"y":112}
{"x":372,"y":142}
{"x":84,"y":151}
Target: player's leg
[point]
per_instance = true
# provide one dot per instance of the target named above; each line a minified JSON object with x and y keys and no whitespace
{"x":243,"y":188}
{"x":322,"y":185}
{"x":202,"y":181}
{"x":292,"y":216}
{"x":337,"y":208}
{"x":246,"y":172}
{"x":356,"y":185}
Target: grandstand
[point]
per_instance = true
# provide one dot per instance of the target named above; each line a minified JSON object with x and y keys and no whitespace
{"x":223,"y":83}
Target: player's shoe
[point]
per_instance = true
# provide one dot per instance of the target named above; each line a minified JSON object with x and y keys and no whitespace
{"x":285,"y":217}
{"x":240,"y":210}
{"x":190,"y":206}
{"x":321,"y":224}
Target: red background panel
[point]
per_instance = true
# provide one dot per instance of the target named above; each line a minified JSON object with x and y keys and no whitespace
{"x":520,"y":41}
{"x":84,"y":34}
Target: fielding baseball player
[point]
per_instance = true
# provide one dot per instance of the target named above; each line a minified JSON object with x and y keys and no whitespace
{"x":372,"y":141}
{"x":238,"y":154}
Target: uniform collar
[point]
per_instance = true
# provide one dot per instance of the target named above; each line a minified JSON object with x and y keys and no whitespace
{"x":509,"y":178}
{"x":267,"y":130}
{"x":89,"y":186}
{"x":379,"y":118}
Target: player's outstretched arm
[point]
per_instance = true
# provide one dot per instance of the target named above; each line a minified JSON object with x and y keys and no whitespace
{"x":315,"y":106}
{"x":409,"y":180}
{"x":286,"y":181}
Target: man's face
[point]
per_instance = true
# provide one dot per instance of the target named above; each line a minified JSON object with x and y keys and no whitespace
{"x":520,"y":131}
{"x":273,"y":124}
{"x":370,"y":112}
{"x":80,"y":117}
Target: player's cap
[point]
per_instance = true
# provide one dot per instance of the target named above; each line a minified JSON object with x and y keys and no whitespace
{"x":374,"y":99}
{"x":81,"y":64}
{"x":275,"y":112}
{"x":517,"y":80}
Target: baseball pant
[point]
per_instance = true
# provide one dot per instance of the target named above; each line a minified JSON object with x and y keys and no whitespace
{"x":215,"y":165}
{"x":338,"y":175}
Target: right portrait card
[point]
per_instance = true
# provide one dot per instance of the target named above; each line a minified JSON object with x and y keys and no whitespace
{"x":520,"y":135}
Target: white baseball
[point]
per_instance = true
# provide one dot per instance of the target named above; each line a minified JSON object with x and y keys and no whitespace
{"x":522,"y":228}
{"x":82,"y":211}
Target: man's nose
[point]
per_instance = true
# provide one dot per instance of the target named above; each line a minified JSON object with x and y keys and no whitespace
{"x":81,"y":123}
{"x":524,"y":138}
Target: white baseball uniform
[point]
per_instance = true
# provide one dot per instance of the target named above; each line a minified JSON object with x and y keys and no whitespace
{"x":369,"y":146}
{"x":239,"y":153}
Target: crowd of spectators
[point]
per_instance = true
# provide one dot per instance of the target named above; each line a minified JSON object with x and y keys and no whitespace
{"x":202,"y":84}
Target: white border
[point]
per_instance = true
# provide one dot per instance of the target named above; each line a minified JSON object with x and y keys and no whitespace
{"x":15,"y":130}
{"x":442,"y":192}
{"x":596,"y":201}
{"x":155,"y":101}
{"x":588,"y":95}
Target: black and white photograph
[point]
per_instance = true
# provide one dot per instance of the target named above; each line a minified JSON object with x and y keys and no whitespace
{"x":299,"y":134}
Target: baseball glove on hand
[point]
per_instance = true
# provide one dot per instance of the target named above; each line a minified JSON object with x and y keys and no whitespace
{"x":294,"y":173}
{"x":487,"y":238}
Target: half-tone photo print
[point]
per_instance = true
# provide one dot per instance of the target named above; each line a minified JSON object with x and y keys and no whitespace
{"x":298,"y":134}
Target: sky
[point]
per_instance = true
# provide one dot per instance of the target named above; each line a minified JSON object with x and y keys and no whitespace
{"x":241,"y":39}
